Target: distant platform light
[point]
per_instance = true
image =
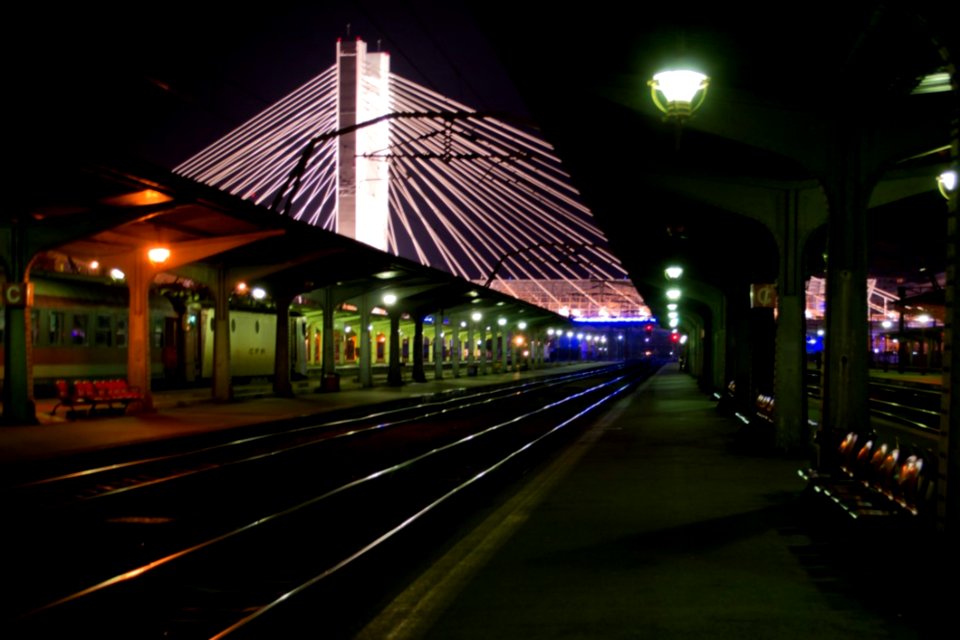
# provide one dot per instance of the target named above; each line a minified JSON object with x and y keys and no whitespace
{"x":673,"y":272}
{"x":947,"y":183}
{"x":258,"y":293}
{"x":389,"y":298}
{"x":476,"y":316}
{"x":673,"y":294}
{"x":116,"y":274}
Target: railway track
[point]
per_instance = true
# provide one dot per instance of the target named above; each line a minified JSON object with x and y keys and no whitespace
{"x":915,"y":408}
{"x":216,"y":541}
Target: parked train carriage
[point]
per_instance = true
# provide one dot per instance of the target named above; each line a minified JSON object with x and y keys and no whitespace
{"x":79,"y":329}
{"x":253,"y":338}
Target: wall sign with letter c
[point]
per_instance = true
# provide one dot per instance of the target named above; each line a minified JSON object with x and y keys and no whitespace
{"x":17,"y":294}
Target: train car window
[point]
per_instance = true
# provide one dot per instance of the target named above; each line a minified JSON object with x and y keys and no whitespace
{"x":212,"y":326}
{"x":256,"y":327}
{"x":78,"y":333}
{"x":104,"y":333}
{"x":121,"y":332}
{"x":55,"y":326}
{"x":233,"y":326}
{"x":35,"y":326}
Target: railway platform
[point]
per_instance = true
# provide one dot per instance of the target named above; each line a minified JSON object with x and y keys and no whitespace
{"x":657,"y":523}
{"x":660,"y":524}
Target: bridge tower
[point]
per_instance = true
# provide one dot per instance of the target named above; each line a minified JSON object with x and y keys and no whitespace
{"x":363,"y":178}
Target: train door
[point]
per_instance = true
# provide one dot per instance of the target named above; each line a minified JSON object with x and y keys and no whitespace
{"x":171,"y":345}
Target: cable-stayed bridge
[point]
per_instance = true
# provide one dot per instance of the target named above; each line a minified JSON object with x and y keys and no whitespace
{"x":364,"y":152}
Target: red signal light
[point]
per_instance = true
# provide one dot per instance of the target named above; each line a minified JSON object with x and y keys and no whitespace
{"x":674,"y":337}
{"x":648,"y":328}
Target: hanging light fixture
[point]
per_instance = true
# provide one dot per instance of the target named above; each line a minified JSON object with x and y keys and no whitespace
{"x":678,"y":92}
{"x":947,"y":183}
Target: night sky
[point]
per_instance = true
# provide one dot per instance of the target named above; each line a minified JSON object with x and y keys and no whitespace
{"x":118,"y":81}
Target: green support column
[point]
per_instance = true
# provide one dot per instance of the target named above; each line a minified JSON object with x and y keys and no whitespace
{"x":282,"y":385}
{"x":19,"y":407}
{"x":327,"y":344}
{"x":455,"y":348}
{"x":438,"y":346}
{"x":718,"y":344}
{"x":790,"y":407}
{"x":419,"y":375}
{"x":504,"y":345}
{"x":394,"y":375}
{"x":846,"y":339}
{"x":471,"y":348}
{"x":222,"y":379}
{"x":948,"y":497}
{"x":366,"y":370}
{"x":743,"y":355}
{"x":484,"y":367}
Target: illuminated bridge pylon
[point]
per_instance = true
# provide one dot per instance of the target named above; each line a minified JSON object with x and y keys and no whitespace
{"x":431,"y":180}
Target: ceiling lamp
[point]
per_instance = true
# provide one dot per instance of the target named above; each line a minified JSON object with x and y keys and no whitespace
{"x":679,"y":92}
{"x":947,"y":183}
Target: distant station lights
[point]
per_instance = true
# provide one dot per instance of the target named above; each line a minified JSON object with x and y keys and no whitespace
{"x":673,"y":272}
{"x":678,"y":92}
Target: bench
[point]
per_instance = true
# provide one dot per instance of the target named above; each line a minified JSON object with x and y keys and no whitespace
{"x":763,"y":408}
{"x":872,"y":480}
{"x":88,"y":396}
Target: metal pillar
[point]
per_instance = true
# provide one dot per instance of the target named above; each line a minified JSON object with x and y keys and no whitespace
{"x":438,"y":346}
{"x":948,"y":498}
{"x":790,"y":409}
{"x":846,"y":339}
{"x":394,"y":374}
{"x":419,"y":375}
{"x":19,"y":407}
{"x":282,"y":385}
{"x":366,"y":370}
{"x":327,"y":345}
{"x":455,"y":348}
